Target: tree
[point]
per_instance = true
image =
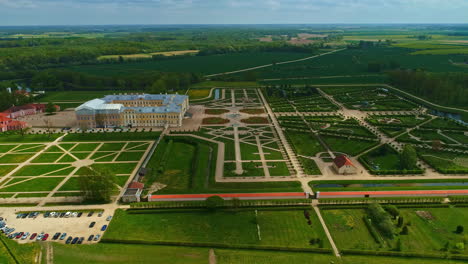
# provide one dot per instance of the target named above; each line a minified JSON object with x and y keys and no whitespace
{"x":50,"y":108}
{"x":214,"y":202}
{"x":460,"y":229}
{"x":400,"y":221}
{"x":392,"y":210}
{"x":235,"y":203}
{"x":97,"y":184}
{"x":381,"y":219}
{"x":408,"y":157}
{"x":48,"y":126}
{"x":404,"y":231}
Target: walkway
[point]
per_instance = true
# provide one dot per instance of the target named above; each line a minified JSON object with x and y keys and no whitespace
{"x":291,"y":155}
{"x":325,"y":228}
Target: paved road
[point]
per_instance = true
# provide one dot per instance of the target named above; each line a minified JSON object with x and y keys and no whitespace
{"x":269,"y":65}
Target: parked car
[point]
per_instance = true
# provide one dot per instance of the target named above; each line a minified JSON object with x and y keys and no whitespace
{"x":96,"y":238}
{"x":46,"y":214}
{"x":100,"y":214}
{"x":24,"y":216}
{"x":74,"y":214}
{"x":25,"y":235}
{"x":80,"y":241}
{"x":103,"y":228}
{"x":33,"y":236}
{"x":13,"y":235}
{"x":79,"y":214}
{"x":19,"y":216}
{"x":90,"y":214}
{"x":92,"y":224}
{"x":44,"y":237}
{"x":90,"y":238}
{"x":69,"y":239}
{"x":63,"y":236}
{"x":56,"y":236}
{"x":109,"y":218}
{"x":74,"y":240}
{"x":39,"y":237}
{"x":19,"y":235}
{"x":67,"y":214}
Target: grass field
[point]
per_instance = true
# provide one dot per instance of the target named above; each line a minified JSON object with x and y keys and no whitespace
{"x":285,"y":228}
{"x":351,"y":147}
{"x":305,"y":143}
{"x":198,"y":93}
{"x":121,"y":253}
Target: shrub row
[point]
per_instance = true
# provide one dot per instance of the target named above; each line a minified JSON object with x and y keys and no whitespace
{"x":403,"y":254}
{"x":227,"y":203}
{"x":216,"y":245}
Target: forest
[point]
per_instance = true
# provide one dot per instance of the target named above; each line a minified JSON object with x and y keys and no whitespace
{"x":443,"y":88}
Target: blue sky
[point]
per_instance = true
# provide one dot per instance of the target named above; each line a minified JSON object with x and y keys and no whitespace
{"x":83,"y":12}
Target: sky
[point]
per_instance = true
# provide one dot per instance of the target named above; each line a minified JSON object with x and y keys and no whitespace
{"x":104,"y":12}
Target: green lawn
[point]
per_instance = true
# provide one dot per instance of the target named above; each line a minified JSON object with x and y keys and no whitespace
{"x":310,"y":167}
{"x":15,"y":158}
{"x":71,"y":185}
{"x":111,"y":147}
{"x":13,"y":137}
{"x":285,"y":228}
{"x":47,"y":158}
{"x":351,"y":147}
{"x":119,"y":136}
{"x":348,"y":229}
{"x":130,"y":156}
{"x":36,"y":170}
{"x":304,"y":143}
{"x":34,"y":185}
{"x":117,"y":168}
{"x":6,"y":148}
{"x":86,"y":147}
{"x":278,"y":169}
{"x":121,"y":253}
{"x":5,"y":169}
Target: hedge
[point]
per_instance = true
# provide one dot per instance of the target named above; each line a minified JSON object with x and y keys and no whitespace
{"x":215,"y":245}
{"x":403,"y":254}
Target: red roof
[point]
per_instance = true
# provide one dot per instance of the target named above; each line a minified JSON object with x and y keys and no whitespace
{"x":342,"y":160}
{"x":226,"y":195}
{"x":381,"y":193}
{"x":136,"y":185}
{"x":3,"y":118}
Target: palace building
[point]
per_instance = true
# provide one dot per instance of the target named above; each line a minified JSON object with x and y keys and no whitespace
{"x":133,"y":110}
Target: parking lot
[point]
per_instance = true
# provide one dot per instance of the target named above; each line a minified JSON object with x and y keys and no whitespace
{"x":73,"y":226}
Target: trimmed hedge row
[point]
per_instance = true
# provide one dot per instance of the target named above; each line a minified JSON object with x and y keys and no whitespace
{"x":403,"y":254}
{"x":216,"y":245}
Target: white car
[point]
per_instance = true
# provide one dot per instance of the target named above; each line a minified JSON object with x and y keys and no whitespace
{"x":39,"y":237}
{"x":67,"y":214}
{"x":74,"y":214}
{"x":25,"y":236}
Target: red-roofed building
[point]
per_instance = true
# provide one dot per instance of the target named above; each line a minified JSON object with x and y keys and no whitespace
{"x":27,"y":109}
{"x":7,"y":124}
{"x":133,"y":192}
{"x":343,"y":165}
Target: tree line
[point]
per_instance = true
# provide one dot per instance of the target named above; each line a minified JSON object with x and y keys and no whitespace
{"x":151,"y":81}
{"x":443,"y":88}
{"x":8,"y":99}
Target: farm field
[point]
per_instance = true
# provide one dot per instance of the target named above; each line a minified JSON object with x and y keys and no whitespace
{"x":280,"y":228}
{"x":201,"y":64}
{"x":148,"y":55}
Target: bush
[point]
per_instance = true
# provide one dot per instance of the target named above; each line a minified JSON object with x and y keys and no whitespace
{"x":214,"y":202}
{"x":381,"y":219}
{"x":460,"y":229}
